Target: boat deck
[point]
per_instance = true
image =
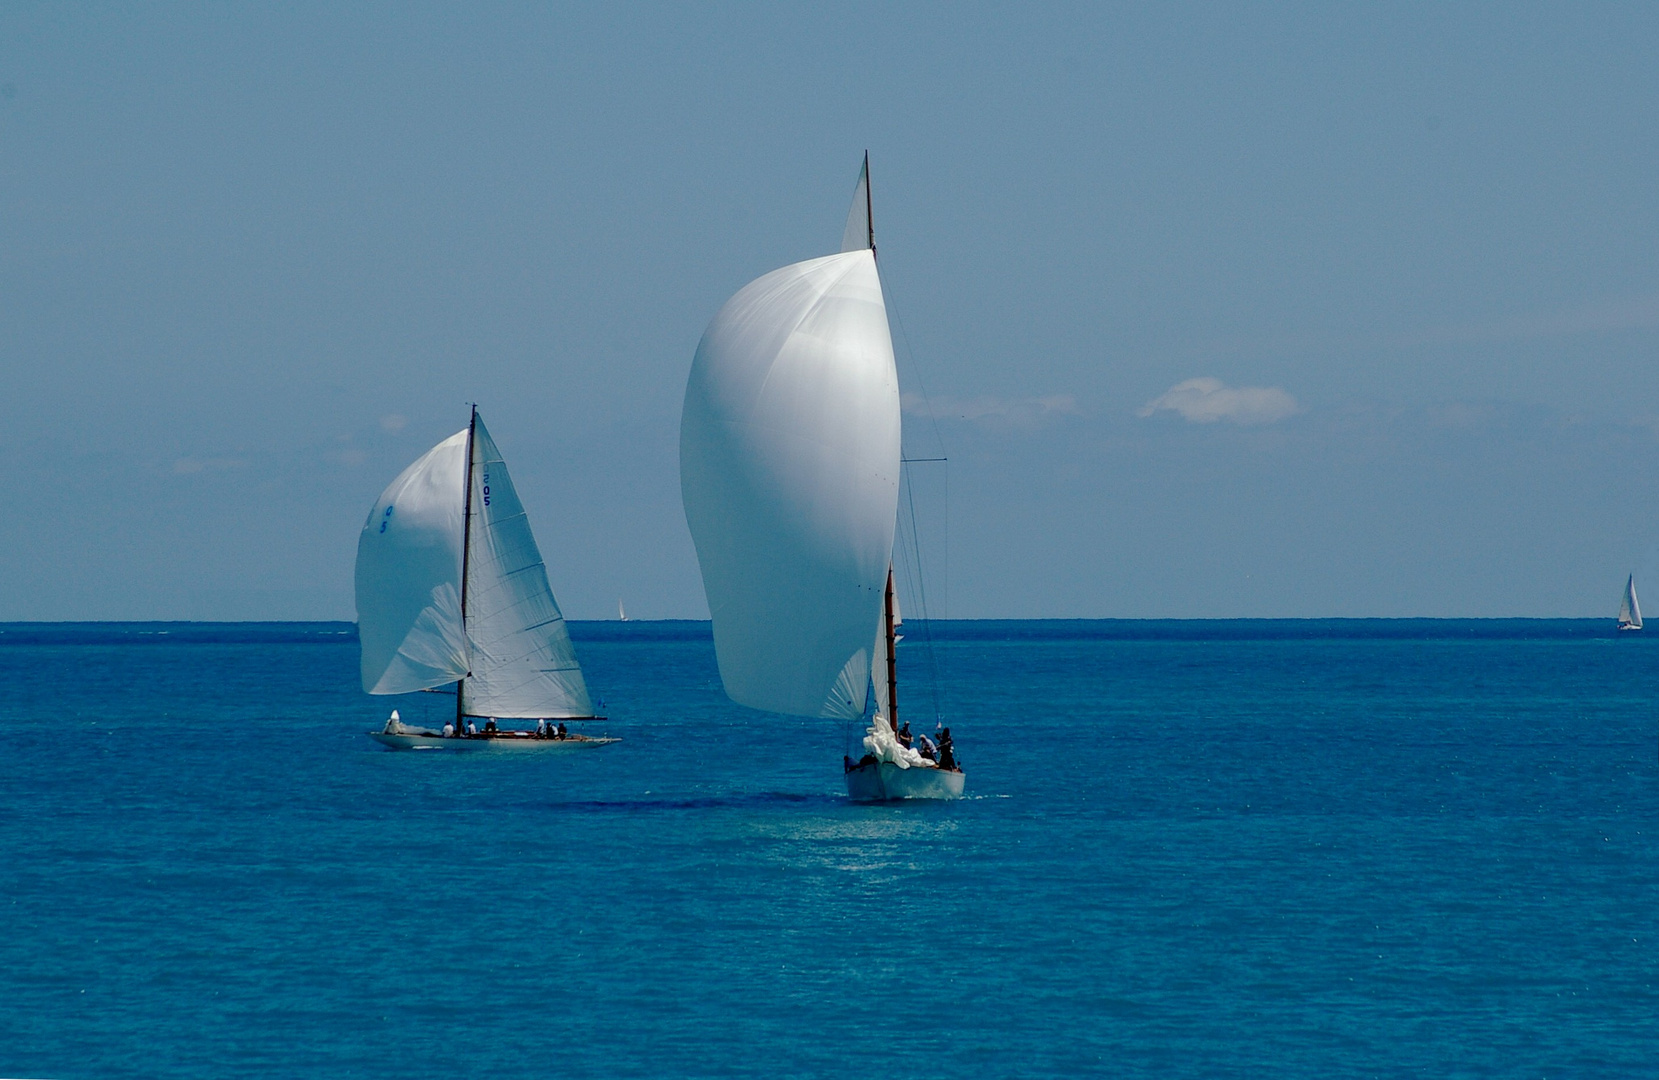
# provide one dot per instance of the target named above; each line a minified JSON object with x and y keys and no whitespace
{"x":499,"y":740}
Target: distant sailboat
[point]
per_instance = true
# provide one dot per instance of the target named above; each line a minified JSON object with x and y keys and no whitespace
{"x":1630,"y":612}
{"x":451,"y":588}
{"x":789,"y":471}
{"x":621,"y":612}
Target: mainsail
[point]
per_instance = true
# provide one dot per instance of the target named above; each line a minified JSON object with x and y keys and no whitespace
{"x":523,"y":664}
{"x":1630,"y":612}
{"x":789,"y":470}
{"x":506,"y":641}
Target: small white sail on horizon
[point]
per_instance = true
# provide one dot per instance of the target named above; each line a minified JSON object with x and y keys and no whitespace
{"x":1630,"y":611}
{"x":498,"y":634}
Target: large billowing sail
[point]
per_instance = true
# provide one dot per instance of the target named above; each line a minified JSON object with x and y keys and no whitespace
{"x":409,"y":576}
{"x":1630,"y":611}
{"x":789,"y":469}
{"x":523,"y":664}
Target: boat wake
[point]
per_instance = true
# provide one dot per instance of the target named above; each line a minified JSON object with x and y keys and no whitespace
{"x":735,"y":801}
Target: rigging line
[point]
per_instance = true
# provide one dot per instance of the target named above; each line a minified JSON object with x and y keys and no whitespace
{"x":915,"y":368}
{"x":939,"y":441}
{"x":918,"y":583}
{"x":935,"y":687}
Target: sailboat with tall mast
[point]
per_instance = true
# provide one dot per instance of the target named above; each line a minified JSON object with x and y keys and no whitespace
{"x":451,"y":588}
{"x":1630,"y":612}
{"x":789,"y":472}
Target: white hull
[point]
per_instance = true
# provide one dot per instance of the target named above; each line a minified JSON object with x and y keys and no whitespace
{"x":884,"y":781}
{"x":1630,"y":626}
{"x":502,"y":741}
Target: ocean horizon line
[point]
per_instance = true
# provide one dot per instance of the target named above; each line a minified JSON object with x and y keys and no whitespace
{"x":336,"y":631}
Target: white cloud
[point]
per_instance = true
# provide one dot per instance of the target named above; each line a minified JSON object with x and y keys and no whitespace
{"x":187,"y":465}
{"x":1204,"y":401}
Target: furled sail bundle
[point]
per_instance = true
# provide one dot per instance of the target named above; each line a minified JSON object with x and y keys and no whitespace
{"x":451,"y":588}
{"x":789,"y":470}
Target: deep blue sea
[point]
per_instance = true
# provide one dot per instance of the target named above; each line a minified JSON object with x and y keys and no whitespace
{"x":1192,"y":849}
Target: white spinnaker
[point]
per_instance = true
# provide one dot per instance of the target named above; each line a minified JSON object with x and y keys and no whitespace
{"x":789,"y":469}
{"x":523,"y":664}
{"x":409,"y":575}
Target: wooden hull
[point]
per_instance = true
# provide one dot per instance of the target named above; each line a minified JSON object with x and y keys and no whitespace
{"x":505,"y":740}
{"x":885,"y":781}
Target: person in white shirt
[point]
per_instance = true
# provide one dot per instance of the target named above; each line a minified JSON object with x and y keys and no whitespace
{"x":472,"y":728}
{"x":449,"y":731}
{"x":541,"y":729}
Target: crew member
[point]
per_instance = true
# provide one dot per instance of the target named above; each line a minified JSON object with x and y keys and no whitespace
{"x":947,"y":752}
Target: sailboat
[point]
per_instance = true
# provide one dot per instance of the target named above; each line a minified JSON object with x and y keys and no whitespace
{"x":789,"y":472}
{"x":1630,"y":612}
{"x":451,"y":589}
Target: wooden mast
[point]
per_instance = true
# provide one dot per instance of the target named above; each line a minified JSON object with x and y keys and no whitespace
{"x":869,"y":217}
{"x":892,"y":658}
{"x":892,"y":652}
{"x":466,"y":545}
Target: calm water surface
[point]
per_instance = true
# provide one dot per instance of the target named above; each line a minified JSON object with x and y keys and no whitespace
{"x":1253,"y":849}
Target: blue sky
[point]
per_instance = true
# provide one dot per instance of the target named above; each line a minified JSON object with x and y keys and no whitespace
{"x":1235,"y":310}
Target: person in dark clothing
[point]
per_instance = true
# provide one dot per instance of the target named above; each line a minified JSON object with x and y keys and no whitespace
{"x":563,"y":734}
{"x":904,"y":735}
{"x":947,"y":751}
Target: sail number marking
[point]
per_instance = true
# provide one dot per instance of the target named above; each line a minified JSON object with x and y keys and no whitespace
{"x":386,"y":519}
{"x":486,"y":487}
